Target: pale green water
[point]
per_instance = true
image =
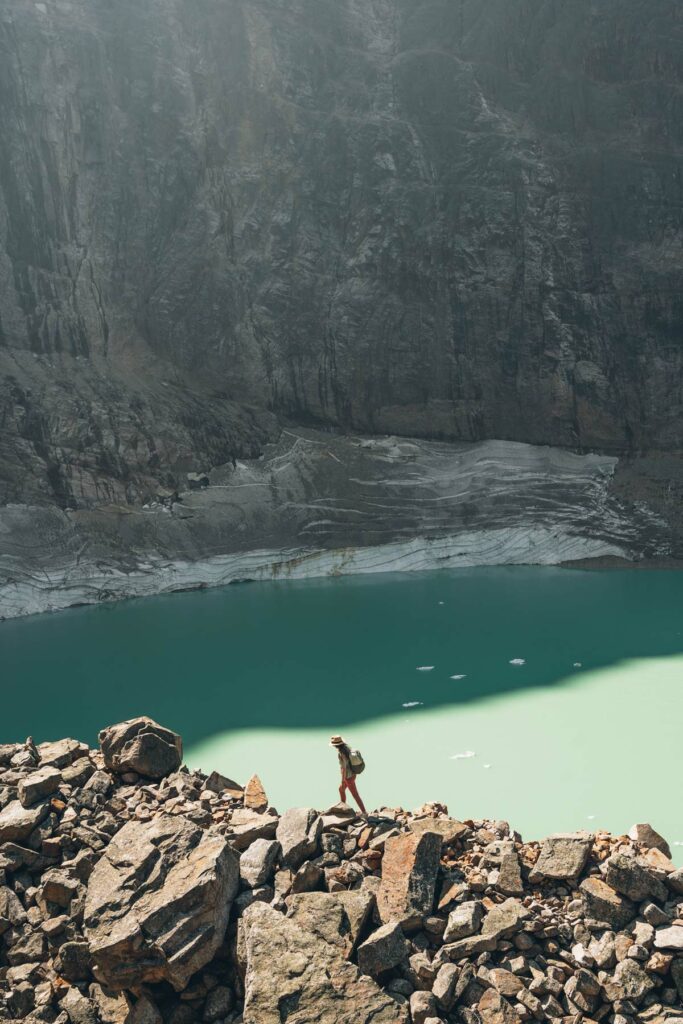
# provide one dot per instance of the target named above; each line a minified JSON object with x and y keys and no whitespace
{"x":257,"y":677}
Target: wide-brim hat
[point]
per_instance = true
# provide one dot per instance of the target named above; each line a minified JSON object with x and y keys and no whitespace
{"x":337,"y":741}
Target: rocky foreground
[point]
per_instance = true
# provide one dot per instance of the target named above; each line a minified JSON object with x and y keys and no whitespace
{"x":133,"y":890}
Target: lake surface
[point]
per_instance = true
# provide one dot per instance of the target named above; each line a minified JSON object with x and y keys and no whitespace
{"x":565,"y":712}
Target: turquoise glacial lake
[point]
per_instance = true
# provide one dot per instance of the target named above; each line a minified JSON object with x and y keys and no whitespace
{"x":547,"y":697}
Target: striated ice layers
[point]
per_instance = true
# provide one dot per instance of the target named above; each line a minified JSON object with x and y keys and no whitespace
{"x":319,"y":504}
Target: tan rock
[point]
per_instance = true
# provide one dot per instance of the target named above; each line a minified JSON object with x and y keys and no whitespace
{"x":255,"y":795}
{"x":158,"y":902}
{"x":339,"y":918}
{"x":646,"y":835}
{"x":294,"y":975}
{"x":563,"y":856}
{"x":409,"y":872}
{"x":495,"y":1009}
{"x":17,"y":822}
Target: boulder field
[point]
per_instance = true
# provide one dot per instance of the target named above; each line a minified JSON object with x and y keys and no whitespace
{"x":133,"y":891}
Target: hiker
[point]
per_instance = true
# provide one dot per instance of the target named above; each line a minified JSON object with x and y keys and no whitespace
{"x":349,"y":770}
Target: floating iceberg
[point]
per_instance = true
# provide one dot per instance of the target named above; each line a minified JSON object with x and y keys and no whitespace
{"x":413,"y":704}
{"x":518,"y":661}
{"x":459,"y":757}
{"x":458,"y":677}
{"x":425,"y":668}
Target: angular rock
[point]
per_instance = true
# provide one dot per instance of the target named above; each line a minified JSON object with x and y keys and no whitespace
{"x":463,"y":921}
{"x":112,"y":1007}
{"x":409,"y":872}
{"x":629,"y":981}
{"x":217,"y":783}
{"x":646,"y":835}
{"x":298,"y":833}
{"x":61,"y":753}
{"x":629,"y":877}
{"x":670,"y":938}
{"x":255,"y":795}
{"x":339,"y":918}
{"x":495,"y":1009}
{"x":293,"y":975}
{"x":17,"y":822}
{"x":246,"y":826}
{"x":504,"y":919}
{"x":38,"y":785}
{"x":422,"y":1007}
{"x":141,"y":745}
{"x":257,"y":863}
{"x":386,"y":948}
{"x":449,"y":829}
{"x":158,"y":902}
{"x":445,"y":985}
{"x":675,"y":881}
{"x":603,"y":903}
{"x":563,"y":856}
{"x":79,"y":1009}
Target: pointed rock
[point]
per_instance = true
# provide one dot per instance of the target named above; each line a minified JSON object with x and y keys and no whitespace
{"x":646,"y":835}
{"x":255,"y":795}
{"x":141,"y":745}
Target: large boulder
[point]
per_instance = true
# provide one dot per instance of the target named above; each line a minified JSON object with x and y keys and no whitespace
{"x":563,"y":856}
{"x":158,"y":902}
{"x":602,"y":903}
{"x":295,"y":976}
{"x":17,"y":822}
{"x":386,"y":948}
{"x":632,"y":879}
{"x":298,"y":833}
{"x":409,"y":870}
{"x":141,"y":745}
{"x":340,"y":918}
{"x":645,"y":834}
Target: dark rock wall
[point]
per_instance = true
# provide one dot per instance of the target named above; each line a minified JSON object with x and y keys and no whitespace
{"x":451,"y":218}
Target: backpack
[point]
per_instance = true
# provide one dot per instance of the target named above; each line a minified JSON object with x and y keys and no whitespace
{"x":357,"y":762}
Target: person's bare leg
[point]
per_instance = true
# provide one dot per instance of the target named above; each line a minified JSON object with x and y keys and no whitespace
{"x":351,"y":783}
{"x":342,"y":792}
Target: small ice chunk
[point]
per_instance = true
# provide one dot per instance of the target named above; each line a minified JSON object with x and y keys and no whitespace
{"x":577,"y":664}
{"x":677,"y":842}
{"x":425,"y":668}
{"x":459,"y":757}
{"x":458,"y":677}
{"x":591,"y":817}
{"x":440,"y":602}
{"x":487,"y":766}
{"x":518,"y":661}
{"x":413,"y":704}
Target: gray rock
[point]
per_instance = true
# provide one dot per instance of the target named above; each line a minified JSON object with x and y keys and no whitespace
{"x":422,"y":1007}
{"x":386,"y":948}
{"x":603,"y":903}
{"x":141,"y":745}
{"x":505,"y":919}
{"x":563,"y":856}
{"x":340,"y":918}
{"x":298,"y":833}
{"x":288,"y":970}
{"x":632,"y":879}
{"x":79,"y":1008}
{"x":257,"y":863}
{"x":444,"y":986}
{"x":219,"y":1003}
{"x":61,"y":753}
{"x":675,"y":881}
{"x":669,"y":938}
{"x":463,"y":921}
{"x":158,"y":902}
{"x":629,"y":981}
{"x":75,"y":961}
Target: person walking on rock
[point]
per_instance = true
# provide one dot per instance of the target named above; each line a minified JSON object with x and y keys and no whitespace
{"x":348,"y":773}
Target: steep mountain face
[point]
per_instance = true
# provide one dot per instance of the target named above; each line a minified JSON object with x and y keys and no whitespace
{"x":448,"y":218}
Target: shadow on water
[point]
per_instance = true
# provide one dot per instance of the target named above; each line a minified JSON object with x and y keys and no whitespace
{"x":326,"y":653}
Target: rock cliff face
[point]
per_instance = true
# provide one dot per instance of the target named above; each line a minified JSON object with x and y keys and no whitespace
{"x":126,"y":898}
{"x":446,"y":218}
